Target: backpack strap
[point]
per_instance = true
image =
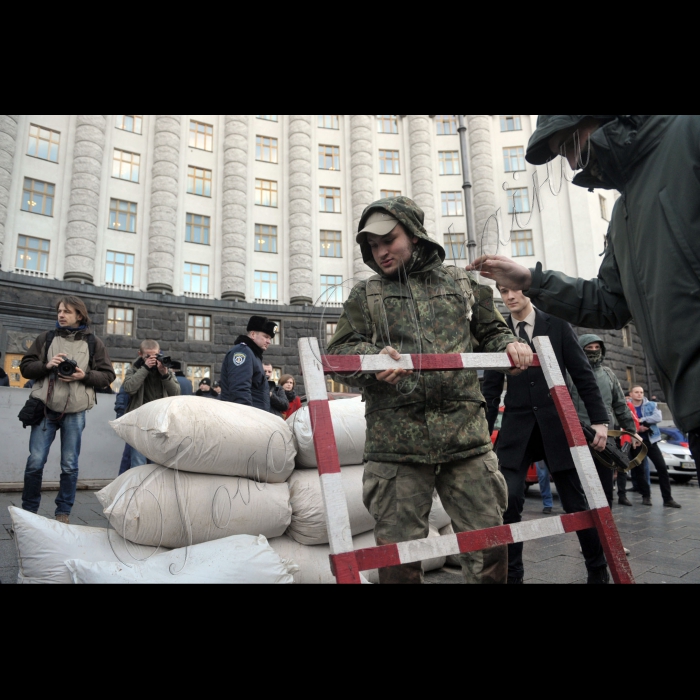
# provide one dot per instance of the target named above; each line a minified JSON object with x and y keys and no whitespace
{"x":47,"y":344}
{"x":460,"y":276}
{"x":373,"y":291}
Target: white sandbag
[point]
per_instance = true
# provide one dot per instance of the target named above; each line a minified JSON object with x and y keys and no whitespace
{"x":308,"y":524}
{"x":237,"y":559}
{"x":153,"y":505}
{"x":199,"y":435}
{"x":438,"y":515}
{"x":44,"y":545}
{"x":452,"y":559}
{"x":314,"y":565}
{"x":349,"y":426}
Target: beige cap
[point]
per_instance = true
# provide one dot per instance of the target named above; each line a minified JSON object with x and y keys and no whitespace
{"x":380,"y":223}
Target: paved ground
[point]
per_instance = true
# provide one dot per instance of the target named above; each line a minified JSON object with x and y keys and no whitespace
{"x":664,"y":542}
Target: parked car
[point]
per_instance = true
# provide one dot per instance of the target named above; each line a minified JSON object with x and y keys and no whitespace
{"x":679,"y":460}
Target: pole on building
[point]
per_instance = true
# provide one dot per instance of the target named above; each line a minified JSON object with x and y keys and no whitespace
{"x":467,"y":188}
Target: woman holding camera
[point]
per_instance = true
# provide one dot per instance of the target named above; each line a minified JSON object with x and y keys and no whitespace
{"x":67,"y":364}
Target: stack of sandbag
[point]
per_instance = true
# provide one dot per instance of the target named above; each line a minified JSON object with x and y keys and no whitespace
{"x":306,"y":539}
{"x":51,"y":552}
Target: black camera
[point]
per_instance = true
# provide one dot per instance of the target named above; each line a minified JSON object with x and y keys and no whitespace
{"x":67,"y":368}
{"x":164,"y":360}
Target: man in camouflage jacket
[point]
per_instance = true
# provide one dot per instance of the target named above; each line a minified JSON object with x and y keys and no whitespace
{"x":424,"y":430}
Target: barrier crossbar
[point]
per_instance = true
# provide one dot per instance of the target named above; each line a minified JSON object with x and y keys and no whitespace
{"x":347,"y":562}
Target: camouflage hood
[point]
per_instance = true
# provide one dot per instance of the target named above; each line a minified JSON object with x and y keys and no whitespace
{"x":428,"y":253}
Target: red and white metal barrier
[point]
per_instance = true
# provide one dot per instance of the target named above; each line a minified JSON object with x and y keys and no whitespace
{"x":347,"y":562}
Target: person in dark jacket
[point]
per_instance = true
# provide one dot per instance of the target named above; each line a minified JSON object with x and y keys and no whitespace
{"x":279,"y":402}
{"x":287,"y":383}
{"x":532,"y":429}
{"x":4,"y":379}
{"x":651,"y":268}
{"x":205,"y":389}
{"x":121,"y":403}
{"x":182,"y":380}
{"x":243,"y":378}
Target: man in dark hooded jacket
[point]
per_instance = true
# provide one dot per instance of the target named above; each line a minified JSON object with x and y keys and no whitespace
{"x":651,"y":268}
{"x":424,"y":430}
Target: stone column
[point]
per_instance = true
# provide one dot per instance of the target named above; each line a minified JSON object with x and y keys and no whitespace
{"x":235,"y":212}
{"x":300,"y":240}
{"x":8,"y":140}
{"x":362,"y":177}
{"x":421,"y":166}
{"x":483,"y":182}
{"x":164,"y":195}
{"x":84,"y":203}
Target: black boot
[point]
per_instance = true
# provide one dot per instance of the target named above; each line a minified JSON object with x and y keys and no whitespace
{"x":624,"y":501}
{"x":600,"y":575}
{"x":513,"y":581}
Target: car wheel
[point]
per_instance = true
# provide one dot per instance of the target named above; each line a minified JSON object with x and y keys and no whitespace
{"x":681,"y":479}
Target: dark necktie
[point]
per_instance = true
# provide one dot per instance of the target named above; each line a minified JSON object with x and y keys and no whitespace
{"x":522,"y":333}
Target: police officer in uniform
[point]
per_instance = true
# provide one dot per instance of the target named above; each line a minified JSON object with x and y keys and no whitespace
{"x":243,"y":378}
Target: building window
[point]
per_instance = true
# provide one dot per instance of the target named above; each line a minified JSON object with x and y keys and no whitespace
{"x":331,"y":289}
{"x":387,"y":124}
{"x":197,"y":229}
{"x":389,"y":162}
{"x":196,"y":280}
{"x":32,"y":254}
{"x":122,"y":215}
{"x":129,"y":122}
{"x":329,"y":199}
{"x":518,"y":201}
{"x":631,"y":377}
{"x":125,"y":165}
{"x":627,"y":337}
{"x":449,"y":162}
{"x":37,"y":197}
{"x":266,"y":149}
{"x":509,"y":123}
{"x":389,"y":194}
{"x":120,"y":321}
{"x":268,"y":117}
{"x":330,"y":332}
{"x":604,"y":207}
{"x":514,"y":159}
{"x":120,"y":370}
{"x":521,"y":244}
{"x":195,"y":373}
{"x":201,"y":136}
{"x":199,"y":181}
{"x":451,"y":203}
{"x":120,"y":268}
{"x":265,"y":238}
{"x":265,"y":284}
{"x":43,"y":143}
{"x":331,"y":244}
{"x":446,"y":124}
{"x":456,"y":250}
{"x":328,"y":121}
{"x":277,"y":340}
{"x":198,"y":328}
{"x":329,"y":157}
{"x":266,"y":193}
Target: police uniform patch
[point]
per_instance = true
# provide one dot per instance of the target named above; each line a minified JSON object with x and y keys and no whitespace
{"x":239,"y":358}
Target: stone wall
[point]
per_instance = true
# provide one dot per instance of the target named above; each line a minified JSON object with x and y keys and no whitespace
{"x":27,"y":308}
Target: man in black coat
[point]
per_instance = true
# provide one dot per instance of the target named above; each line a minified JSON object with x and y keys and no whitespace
{"x":532,"y":430}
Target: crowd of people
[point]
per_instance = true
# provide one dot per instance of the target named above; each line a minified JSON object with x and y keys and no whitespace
{"x":430,"y":431}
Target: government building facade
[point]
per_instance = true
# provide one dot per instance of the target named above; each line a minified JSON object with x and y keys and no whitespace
{"x":179,"y":227}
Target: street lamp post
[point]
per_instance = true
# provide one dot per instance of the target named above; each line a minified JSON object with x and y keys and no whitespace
{"x":467,"y":188}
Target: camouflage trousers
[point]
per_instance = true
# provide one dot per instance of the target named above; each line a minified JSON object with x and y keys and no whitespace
{"x":472,"y":491}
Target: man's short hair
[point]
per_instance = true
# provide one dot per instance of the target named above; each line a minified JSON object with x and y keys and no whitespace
{"x":149,"y":345}
{"x":635,"y":386}
{"x":267,"y":364}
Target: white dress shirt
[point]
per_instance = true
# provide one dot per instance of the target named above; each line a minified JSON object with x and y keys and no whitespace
{"x":529,"y":323}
